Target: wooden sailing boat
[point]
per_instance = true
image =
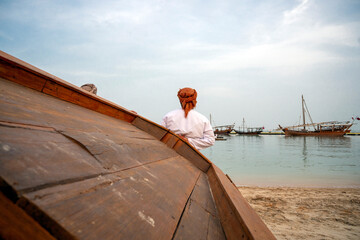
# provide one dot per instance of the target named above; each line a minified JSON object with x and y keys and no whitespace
{"x":222,"y":130}
{"x":248,"y":130}
{"x":333,"y":128}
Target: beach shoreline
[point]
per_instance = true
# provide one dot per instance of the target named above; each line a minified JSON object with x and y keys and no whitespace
{"x":307,"y":212}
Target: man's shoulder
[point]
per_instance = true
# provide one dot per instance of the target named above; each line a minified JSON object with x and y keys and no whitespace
{"x":174,"y":112}
{"x":199,"y":115}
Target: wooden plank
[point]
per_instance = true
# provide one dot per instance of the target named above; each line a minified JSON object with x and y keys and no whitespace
{"x":19,"y":104}
{"x":13,"y":61}
{"x":194,"y":223}
{"x":202,"y":195}
{"x":153,"y":129}
{"x":170,"y":139}
{"x":215,"y":230}
{"x":18,"y":71}
{"x":69,"y":95}
{"x":238,"y":219}
{"x":200,"y":219}
{"x":16,"y":224}
{"x":199,"y":224}
{"x":32,"y":158}
{"x":139,"y":203}
{"x":233,"y":228}
{"x":21,"y":76}
{"x":192,"y":155}
{"x":120,"y":150}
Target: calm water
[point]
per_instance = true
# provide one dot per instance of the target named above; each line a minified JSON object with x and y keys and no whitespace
{"x":289,"y":161}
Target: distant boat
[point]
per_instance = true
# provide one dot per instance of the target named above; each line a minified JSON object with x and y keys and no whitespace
{"x":249,"y":130}
{"x":219,"y":138}
{"x":223,"y":130}
{"x":332,"y":128}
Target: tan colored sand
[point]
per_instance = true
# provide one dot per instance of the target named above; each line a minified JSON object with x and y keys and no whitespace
{"x":307,"y":213}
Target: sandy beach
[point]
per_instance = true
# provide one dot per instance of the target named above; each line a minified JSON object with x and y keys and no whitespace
{"x":307,"y":213}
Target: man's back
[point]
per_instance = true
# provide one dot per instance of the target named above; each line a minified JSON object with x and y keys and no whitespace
{"x":195,"y":127}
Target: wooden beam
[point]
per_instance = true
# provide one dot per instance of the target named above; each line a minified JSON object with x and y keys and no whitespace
{"x":18,"y":71}
{"x":194,"y":156}
{"x":64,"y":93}
{"x":150,"y":127}
{"x":170,"y":139}
{"x":15,"y":74}
{"x":238,"y":218}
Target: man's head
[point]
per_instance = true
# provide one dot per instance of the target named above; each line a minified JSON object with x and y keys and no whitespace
{"x":90,"y":88}
{"x":187,"y":97}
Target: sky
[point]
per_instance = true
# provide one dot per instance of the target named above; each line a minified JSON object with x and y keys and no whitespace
{"x":247,"y":59}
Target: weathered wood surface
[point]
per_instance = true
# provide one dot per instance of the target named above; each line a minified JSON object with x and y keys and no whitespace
{"x":79,"y":142}
{"x":117,"y":151}
{"x":200,"y":219}
{"x":32,"y":159}
{"x":82,"y":175}
{"x":16,"y":224}
{"x":132,"y":204}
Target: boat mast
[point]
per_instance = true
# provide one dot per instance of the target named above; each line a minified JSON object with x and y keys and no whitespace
{"x":303,"y":110}
{"x":243,"y":124}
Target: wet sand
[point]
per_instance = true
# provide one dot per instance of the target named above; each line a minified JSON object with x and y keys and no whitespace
{"x":307,"y":213}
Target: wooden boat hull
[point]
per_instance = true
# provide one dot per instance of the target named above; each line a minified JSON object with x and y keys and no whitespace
{"x":327,"y":129}
{"x":222,"y":132}
{"x":248,"y":133}
{"x":320,"y":133}
{"x":76,"y":166}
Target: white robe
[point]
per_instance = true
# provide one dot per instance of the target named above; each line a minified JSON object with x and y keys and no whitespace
{"x":196,"y":127}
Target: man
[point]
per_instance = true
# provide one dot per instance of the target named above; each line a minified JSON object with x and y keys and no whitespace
{"x":90,"y":88}
{"x":188,"y":123}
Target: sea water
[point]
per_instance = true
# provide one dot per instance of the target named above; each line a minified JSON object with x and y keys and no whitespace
{"x":276,"y":160}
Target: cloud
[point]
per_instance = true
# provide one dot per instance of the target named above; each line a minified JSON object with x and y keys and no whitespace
{"x":226,"y":49}
{"x":262,"y":56}
{"x":296,"y":13}
{"x":109,"y":15}
{"x":331,"y":34}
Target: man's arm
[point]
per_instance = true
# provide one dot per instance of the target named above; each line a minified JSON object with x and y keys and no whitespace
{"x":207,"y":140}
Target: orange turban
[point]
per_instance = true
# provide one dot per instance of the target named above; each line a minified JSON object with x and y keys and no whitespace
{"x":187,"y":97}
